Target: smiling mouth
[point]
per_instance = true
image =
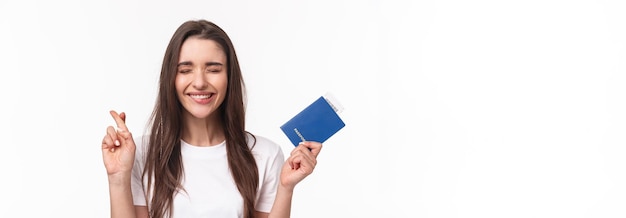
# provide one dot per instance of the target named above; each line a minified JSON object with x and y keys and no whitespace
{"x":200,"y":96}
{"x":203,"y":98}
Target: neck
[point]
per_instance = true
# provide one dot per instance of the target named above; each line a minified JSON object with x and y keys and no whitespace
{"x":203,"y":131}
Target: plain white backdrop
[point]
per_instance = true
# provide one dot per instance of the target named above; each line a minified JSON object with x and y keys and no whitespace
{"x":452,"y":108}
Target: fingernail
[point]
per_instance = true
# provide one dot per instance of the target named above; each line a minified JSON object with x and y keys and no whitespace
{"x":117,"y":142}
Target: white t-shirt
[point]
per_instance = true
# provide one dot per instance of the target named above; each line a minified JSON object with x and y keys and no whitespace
{"x":210,"y":190}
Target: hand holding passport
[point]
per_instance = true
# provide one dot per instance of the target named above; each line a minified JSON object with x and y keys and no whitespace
{"x":317,"y":122}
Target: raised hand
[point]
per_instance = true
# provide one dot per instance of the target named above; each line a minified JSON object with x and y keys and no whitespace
{"x":118,"y":147}
{"x":300,"y":163}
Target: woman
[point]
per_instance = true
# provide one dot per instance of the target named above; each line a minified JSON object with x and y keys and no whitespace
{"x":198,"y":160}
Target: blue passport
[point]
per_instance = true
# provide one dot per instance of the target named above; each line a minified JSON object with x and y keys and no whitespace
{"x":317,"y":122}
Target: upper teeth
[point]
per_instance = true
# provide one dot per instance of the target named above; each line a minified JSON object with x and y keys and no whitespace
{"x":200,"y":96}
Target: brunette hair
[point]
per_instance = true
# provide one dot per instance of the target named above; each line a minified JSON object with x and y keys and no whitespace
{"x":163,"y":167}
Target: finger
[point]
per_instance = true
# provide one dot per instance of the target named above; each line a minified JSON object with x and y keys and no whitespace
{"x":124,"y":135}
{"x":302,"y":157}
{"x":308,"y":156}
{"x":310,"y":147}
{"x":294,"y":162}
{"x":300,"y":150}
{"x":314,"y":147}
{"x":123,"y":116}
{"x":112,"y":134}
{"x":121,"y":124}
{"x":302,"y":164}
{"x":107,"y":142}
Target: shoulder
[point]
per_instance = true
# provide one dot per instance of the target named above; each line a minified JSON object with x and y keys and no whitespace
{"x":141,"y":144}
{"x":262,"y":145}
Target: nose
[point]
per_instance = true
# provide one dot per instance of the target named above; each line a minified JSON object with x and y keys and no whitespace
{"x":200,"y":80}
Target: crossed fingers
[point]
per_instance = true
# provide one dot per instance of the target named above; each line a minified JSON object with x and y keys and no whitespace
{"x":116,"y":135}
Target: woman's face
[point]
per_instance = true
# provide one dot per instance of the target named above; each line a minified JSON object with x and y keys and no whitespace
{"x":201,"y":78}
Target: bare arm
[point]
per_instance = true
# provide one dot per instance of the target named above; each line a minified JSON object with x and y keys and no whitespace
{"x":118,"y":153}
{"x":121,"y":199}
{"x":299,"y":165}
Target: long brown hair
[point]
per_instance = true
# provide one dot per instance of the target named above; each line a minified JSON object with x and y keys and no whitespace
{"x":163,"y":166}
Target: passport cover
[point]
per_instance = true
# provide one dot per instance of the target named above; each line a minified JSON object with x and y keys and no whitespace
{"x":317,"y":122}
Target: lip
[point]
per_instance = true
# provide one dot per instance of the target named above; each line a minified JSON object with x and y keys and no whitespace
{"x":201,"y":97}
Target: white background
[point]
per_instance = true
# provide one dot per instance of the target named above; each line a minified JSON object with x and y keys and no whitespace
{"x":452,"y":108}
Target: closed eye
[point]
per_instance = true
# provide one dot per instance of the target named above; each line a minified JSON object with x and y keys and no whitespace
{"x":185,"y":67}
{"x":214,"y":69}
{"x":184,"y":71}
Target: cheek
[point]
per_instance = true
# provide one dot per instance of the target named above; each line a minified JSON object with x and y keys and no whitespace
{"x":180,"y":83}
{"x":221,"y":82}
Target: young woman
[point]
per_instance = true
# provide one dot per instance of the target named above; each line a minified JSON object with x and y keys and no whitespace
{"x":198,"y":160}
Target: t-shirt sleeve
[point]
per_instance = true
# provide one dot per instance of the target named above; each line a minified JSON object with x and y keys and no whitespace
{"x":269,"y":182}
{"x":135,"y":179}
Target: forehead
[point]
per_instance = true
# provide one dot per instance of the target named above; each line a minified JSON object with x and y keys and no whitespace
{"x":195,"y":49}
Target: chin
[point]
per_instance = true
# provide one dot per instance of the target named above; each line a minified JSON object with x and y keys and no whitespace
{"x":201,"y":115}
{"x":198,"y":113}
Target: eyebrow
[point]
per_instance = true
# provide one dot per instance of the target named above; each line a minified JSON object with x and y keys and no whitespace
{"x":188,"y":63}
